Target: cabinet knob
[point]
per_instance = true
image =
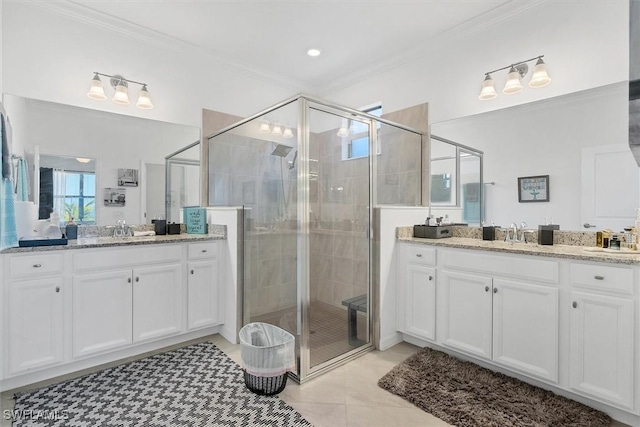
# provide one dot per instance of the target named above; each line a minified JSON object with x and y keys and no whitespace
{"x":495,"y":290}
{"x":57,"y":289}
{"x":204,"y":250}
{"x":486,"y":289}
{"x":37,"y":265}
{"x":430,"y":278}
{"x":129,"y":280}
{"x":191,"y":271}
{"x":598,"y":277}
{"x":575,"y":304}
{"x":419,"y":255}
{"x":137,"y":279}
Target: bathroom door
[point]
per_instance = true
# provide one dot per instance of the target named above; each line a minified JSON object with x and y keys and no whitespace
{"x":339,"y":229}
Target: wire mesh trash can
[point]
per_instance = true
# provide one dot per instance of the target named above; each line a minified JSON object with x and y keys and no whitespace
{"x":267,"y":355}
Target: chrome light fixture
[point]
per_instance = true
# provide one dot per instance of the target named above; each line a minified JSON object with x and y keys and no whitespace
{"x":121,"y":95}
{"x":540,"y":78}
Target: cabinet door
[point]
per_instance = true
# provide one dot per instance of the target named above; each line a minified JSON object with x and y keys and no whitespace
{"x":157,"y":301}
{"x":419,"y":308}
{"x":601,"y":347}
{"x":525,"y":328}
{"x":101,"y":311}
{"x":202,"y":294}
{"x":35,"y":324}
{"x":466,"y":314}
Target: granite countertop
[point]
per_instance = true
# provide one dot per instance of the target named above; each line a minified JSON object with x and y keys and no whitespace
{"x":582,"y":253}
{"x":105,"y":242}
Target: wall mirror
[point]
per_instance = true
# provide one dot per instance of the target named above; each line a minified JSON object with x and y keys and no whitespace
{"x":182,"y":180}
{"x":120,"y":147}
{"x":580,"y":140}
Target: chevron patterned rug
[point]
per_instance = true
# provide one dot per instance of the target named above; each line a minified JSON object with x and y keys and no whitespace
{"x":192,"y":386}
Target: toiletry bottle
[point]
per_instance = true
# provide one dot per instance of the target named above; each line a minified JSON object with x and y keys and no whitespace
{"x":71,"y":230}
{"x":614,"y":243}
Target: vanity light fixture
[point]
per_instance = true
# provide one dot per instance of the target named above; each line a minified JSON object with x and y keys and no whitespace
{"x":288,"y":133}
{"x":265,"y":127}
{"x":82,"y":160}
{"x":276,"y":129}
{"x":342,"y":132}
{"x":121,"y":95}
{"x":540,"y":78}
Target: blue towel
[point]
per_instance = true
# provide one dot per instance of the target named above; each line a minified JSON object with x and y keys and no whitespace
{"x":6,"y":154}
{"x":8,"y":231}
{"x":22,"y":185}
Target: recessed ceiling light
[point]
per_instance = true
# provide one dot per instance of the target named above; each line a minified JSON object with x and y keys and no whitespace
{"x":313,"y":52}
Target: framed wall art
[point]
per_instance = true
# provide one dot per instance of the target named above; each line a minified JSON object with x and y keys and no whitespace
{"x":533,"y":189}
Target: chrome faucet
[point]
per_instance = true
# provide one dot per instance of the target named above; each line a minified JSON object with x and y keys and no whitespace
{"x":508,"y":236}
{"x":515,"y":234}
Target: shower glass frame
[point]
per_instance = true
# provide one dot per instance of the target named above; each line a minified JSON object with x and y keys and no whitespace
{"x":305,"y":103}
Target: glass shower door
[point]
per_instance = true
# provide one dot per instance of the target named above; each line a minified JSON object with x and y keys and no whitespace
{"x":339,"y":226}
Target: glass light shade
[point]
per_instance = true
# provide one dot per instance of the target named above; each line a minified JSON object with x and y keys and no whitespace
{"x":540,"y":76}
{"x":144,"y":100}
{"x":121,"y":96}
{"x":513,"y":84}
{"x":277,"y":130}
{"x":264,"y":128}
{"x":96,"y":91}
{"x":488,"y":89}
{"x":342,"y":132}
{"x":83,"y":160}
{"x":287,"y":133}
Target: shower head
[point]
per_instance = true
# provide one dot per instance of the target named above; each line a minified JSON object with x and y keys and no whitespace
{"x":281,"y":150}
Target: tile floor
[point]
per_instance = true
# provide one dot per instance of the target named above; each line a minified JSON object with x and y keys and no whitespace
{"x":346,"y":396}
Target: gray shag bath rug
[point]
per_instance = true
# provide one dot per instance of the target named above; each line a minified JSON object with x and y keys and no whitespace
{"x":467,"y":395}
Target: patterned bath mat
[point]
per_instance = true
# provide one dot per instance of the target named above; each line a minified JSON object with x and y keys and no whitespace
{"x":467,"y":395}
{"x":192,"y":386}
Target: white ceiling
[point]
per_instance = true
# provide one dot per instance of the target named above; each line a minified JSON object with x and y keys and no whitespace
{"x":358,"y":38}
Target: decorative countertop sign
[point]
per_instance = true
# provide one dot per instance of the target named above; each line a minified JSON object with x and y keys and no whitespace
{"x":196,"y":220}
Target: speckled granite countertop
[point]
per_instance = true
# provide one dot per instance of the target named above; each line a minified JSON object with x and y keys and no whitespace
{"x":106,"y":242}
{"x":582,"y":253}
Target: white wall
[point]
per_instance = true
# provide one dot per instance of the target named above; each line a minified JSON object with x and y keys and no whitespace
{"x":115,"y":141}
{"x":50,"y":56}
{"x":586,"y":44}
{"x":543,"y":138}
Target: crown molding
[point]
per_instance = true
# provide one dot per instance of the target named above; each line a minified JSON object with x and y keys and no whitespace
{"x":86,"y":15}
{"x":459,"y":32}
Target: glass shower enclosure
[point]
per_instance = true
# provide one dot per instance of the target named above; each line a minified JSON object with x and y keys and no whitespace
{"x":307,"y":174}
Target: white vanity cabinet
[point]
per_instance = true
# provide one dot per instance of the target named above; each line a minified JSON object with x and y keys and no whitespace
{"x":493,"y":307}
{"x":101,"y":311}
{"x":602,"y":333}
{"x":125,"y":301}
{"x":34,"y":293}
{"x":203,"y":300}
{"x":466,"y":312}
{"x":417,"y":292}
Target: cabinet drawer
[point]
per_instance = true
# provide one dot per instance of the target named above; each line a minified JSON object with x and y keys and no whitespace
{"x":90,"y":260}
{"x":515,"y":266}
{"x":203,"y":250}
{"x":602,"y":277}
{"x":420,"y":254}
{"x":35,"y":265}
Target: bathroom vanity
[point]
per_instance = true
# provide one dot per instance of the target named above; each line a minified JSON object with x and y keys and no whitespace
{"x":101,"y":299}
{"x":559,"y":317}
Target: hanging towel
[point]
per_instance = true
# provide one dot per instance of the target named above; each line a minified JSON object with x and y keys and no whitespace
{"x":22,"y":185}
{"x":6,"y":154}
{"x":8,"y":232}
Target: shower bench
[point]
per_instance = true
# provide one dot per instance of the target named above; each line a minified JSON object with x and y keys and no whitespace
{"x":355,"y":304}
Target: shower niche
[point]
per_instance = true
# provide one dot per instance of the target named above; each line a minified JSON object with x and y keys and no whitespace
{"x":304,"y":174}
